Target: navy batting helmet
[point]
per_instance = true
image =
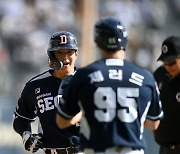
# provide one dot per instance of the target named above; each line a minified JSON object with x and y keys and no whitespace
{"x":110,"y":34}
{"x":60,"y":41}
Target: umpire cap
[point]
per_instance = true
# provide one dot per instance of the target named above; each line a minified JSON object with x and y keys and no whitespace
{"x":170,"y":49}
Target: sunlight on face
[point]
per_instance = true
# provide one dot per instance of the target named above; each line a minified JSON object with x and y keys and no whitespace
{"x":68,"y":58}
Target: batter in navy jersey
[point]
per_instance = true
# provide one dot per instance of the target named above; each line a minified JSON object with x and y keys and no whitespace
{"x":40,"y":96}
{"x":117,"y":98}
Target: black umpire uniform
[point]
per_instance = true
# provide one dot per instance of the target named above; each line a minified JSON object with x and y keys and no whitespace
{"x":168,"y":133}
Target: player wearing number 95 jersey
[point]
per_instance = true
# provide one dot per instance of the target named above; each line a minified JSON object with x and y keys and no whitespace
{"x":118,"y":99}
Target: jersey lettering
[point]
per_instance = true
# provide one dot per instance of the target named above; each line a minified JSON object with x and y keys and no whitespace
{"x":41,"y":105}
{"x":126,"y":98}
{"x":96,"y":77}
{"x":136,"y":78}
{"x":57,"y":100}
{"x":115,"y":74}
{"x":48,"y":103}
{"x":105,"y":100}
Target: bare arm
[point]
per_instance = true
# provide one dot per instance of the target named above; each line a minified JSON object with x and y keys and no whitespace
{"x":153,"y":125}
{"x":64,"y":123}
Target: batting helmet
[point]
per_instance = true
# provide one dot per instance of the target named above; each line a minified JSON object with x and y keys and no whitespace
{"x":110,"y":34}
{"x":60,"y":41}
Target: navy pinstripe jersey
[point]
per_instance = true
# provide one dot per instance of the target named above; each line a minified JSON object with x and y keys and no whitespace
{"x":116,"y":97}
{"x":40,"y":98}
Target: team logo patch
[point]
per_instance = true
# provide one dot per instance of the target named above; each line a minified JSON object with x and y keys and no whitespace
{"x":37,"y":90}
{"x":63,"y":39}
{"x":164,"y":49}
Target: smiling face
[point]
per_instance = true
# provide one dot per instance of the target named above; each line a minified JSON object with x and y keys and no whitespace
{"x":68,"y":58}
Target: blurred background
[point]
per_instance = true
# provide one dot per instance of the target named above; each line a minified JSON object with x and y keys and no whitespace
{"x":25,"y":29}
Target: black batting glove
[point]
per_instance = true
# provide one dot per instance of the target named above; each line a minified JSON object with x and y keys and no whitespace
{"x":75,"y":142}
{"x":32,"y":142}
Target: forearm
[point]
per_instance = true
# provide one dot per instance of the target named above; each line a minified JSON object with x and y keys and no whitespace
{"x":152,"y":125}
{"x":64,"y":123}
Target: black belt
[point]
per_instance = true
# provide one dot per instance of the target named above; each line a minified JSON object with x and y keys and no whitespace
{"x":176,"y":146}
{"x":116,"y":149}
{"x":68,"y":150}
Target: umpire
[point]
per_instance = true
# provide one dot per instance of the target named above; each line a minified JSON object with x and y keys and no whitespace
{"x":168,"y":79}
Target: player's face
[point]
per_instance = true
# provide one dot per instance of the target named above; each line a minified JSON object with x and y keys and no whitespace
{"x":173,"y":67}
{"x":68,"y":58}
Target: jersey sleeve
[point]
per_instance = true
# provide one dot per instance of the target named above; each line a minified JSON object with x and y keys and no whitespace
{"x":26,"y":108}
{"x":25,"y":112}
{"x":155,"y":110}
{"x":68,"y":104}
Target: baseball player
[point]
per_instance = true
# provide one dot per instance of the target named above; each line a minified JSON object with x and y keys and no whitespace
{"x":39,"y":98}
{"x":168,"y":79}
{"x":118,"y":99}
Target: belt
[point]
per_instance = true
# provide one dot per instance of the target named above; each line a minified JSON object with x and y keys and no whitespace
{"x":114,"y":149}
{"x":176,"y":146}
{"x":68,"y":150}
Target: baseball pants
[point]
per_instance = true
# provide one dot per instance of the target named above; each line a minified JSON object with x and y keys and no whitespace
{"x":115,"y":150}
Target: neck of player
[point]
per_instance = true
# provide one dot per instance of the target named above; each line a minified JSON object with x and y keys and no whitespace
{"x":120,"y":54}
{"x":62,"y":74}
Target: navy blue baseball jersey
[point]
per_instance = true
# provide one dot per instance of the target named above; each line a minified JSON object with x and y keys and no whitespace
{"x":116,"y":97}
{"x":40,"y":98}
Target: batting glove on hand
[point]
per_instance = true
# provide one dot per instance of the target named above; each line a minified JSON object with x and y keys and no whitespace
{"x":32,"y":142}
{"x":75,"y":142}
